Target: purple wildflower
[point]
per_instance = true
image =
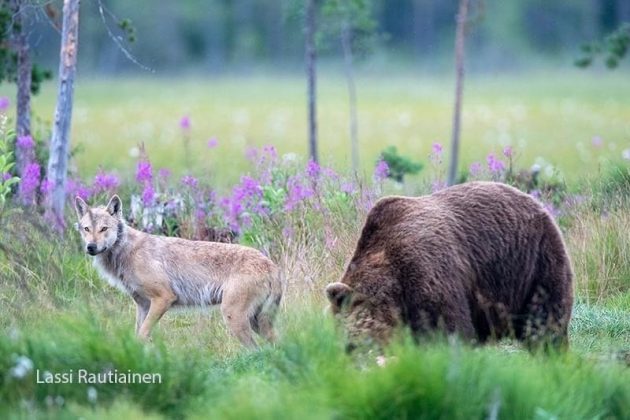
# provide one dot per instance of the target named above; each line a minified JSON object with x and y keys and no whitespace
{"x":495,"y":165}
{"x":184,"y":123}
{"x":29,"y":182}
{"x":200,"y":214}
{"x":437,"y":149}
{"x":104,"y":181}
{"x":251,"y":154}
{"x":507,"y":151}
{"x":329,"y":173}
{"x":6,"y":176}
{"x":189,"y":181}
{"x":25,"y":143}
{"x":76,"y":188}
{"x":144,"y":171}
{"x":212,"y":143}
{"x":597,"y":142}
{"x":475,"y":169}
{"x":148,"y":195}
{"x":270,"y":151}
{"x":46,"y":187}
{"x":312,"y":169}
{"x":381,"y":170}
{"x":164,"y":173}
{"x":347,"y":187}
{"x":4,"y":104}
{"x":296,"y":193}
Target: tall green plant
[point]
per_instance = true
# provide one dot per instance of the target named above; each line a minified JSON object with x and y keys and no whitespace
{"x":6,"y":163}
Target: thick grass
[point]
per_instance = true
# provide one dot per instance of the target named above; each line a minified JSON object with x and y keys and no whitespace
{"x":553,"y":116}
{"x":306,"y":375}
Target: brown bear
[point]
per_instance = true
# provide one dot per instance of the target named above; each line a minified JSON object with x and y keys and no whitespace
{"x":481,"y":259}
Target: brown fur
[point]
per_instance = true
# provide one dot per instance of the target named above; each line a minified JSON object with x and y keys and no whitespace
{"x":481,"y":259}
{"x":160,"y":272}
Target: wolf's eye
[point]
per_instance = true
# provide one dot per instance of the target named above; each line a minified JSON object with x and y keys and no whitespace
{"x":87,"y":229}
{"x":104,"y":228}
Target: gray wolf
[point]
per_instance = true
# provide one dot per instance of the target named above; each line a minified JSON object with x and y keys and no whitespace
{"x":162,"y":272}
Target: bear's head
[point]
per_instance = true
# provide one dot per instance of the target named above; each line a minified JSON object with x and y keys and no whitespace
{"x":366,"y":320}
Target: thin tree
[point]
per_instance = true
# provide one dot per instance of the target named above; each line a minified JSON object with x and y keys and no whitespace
{"x":460,"y":38}
{"x":60,"y":141}
{"x":23,"y":76}
{"x":311,"y":75}
{"x":346,"y":46}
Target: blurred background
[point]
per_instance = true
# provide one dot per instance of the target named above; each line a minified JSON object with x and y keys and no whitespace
{"x":231,"y":73}
{"x":223,"y":36}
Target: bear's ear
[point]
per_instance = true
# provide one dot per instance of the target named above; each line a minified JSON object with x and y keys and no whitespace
{"x":80,"y":206}
{"x":338,"y":294}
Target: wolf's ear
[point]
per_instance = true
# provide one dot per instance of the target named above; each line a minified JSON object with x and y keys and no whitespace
{"x":80,"y":206}
{"x":338,"y":294}
{"x":114,"y":207}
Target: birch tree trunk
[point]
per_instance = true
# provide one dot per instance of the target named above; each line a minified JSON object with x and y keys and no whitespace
{"x":346,"y":44}
{"x":23,"y":100}
{"x":460,"y":38}
{"x":60,"y":142}
{"x":311,"y":74}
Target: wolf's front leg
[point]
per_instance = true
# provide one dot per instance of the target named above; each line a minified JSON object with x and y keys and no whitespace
{"x":157,"y":308}
{"x":142,"y":309}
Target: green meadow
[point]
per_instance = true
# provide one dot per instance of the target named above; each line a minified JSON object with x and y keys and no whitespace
{"x":57,"y":314}
{"x":545,"y":116}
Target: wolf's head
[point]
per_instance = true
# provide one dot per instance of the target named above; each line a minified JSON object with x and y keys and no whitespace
{"x":101,"y":227}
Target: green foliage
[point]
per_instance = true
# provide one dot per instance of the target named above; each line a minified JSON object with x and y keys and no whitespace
{"x":354,"y":16}
{"x":129,"y":30}
{"x":6,"y":163}
{"x":614,"y":46}
{"x":8,"y":57}
{"x":399,"y":165}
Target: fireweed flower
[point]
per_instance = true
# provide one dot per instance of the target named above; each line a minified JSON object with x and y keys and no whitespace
{"x":495,"y":165}
{"x":29,"y":183}
{"x":25,"y":143}
{"x":164,"y":173}
{"x":436,"y":149}
{"x":189,"y":181}
{"x":296,"y":193}
{"x":475,"y":169}
{"x":212,"y":143}
{"x":148,"y":195}
{"x":507,"y":151}
{"x":104,"y":181}
{"x":144,"y":171}
{"x":184,"y":123}
{"x":4,"y":104}
{"x":312,"y":169}
{"x":76,"y":188}
{"x":46,"y":187}
{"x":381,"y":170}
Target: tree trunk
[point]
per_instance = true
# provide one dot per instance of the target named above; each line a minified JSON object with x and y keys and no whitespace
{"x":460,"y":38}
{"x":60,"y":142}
{"x":311,"y":58}
{"x":23,"y":120}
{"x":346,"y":44}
